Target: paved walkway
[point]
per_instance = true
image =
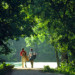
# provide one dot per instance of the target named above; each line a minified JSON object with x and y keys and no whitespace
{"x":29,"y":72}
{"x":36,"y":64}
{"x":37,"y":70}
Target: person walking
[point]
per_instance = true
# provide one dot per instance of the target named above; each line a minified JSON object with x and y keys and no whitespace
{"x":32,"y":56}
{"x":23,"y":54}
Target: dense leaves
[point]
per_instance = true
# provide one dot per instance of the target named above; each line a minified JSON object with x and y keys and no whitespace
{"x":55,"y":20}
{"x":13,"y":23}
{"x":50,"y":20}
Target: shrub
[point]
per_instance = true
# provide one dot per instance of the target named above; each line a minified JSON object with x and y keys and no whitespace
{"x":48,"y":69}
{"x":67,"y":68}
{"x":5,"y":68}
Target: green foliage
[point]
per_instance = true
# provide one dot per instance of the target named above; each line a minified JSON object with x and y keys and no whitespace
{"x":54,"y":20}
{"x":1,"y":66}
{"x":67,"y":68}
{"x":49,"y":20}
{"x":48,"y":69}
{"x":4,"y":68}
{"x":14,"y":22}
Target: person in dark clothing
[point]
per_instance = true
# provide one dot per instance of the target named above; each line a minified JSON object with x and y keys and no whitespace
{"x":32,"y":56}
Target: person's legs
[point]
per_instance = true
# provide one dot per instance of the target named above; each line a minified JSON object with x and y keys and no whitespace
{"x":31,"y":63}
{"x":25,"y":64}
{"x":22,"y":64}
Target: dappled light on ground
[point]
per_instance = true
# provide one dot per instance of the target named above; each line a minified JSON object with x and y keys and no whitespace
{"x":18,"y":65}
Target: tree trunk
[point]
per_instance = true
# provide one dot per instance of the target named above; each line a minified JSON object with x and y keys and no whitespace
{"x":64,"y":57}
{"x":57,"y":57}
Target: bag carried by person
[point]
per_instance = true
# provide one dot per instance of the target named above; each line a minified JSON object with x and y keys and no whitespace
{"x":27,"y":58}
{"x":32,"y":57}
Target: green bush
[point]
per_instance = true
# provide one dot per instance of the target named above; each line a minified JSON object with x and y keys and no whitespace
{"x":48,"y":69}
{"x":5,"y":68}
{"x":1,"y":66}
{"x":67,"y":68}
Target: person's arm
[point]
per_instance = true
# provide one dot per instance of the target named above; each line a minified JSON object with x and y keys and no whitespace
{"x":21,"y":53}
{"x":25,"y":52}
{"x":34,"y":53}
{"x":30,"y":54}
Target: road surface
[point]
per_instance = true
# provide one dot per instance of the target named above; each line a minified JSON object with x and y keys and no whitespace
{"x":37,"y":70}
{"x":29,"y":72}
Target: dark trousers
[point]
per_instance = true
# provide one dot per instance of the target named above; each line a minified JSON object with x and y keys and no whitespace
{"x":31,"y":63}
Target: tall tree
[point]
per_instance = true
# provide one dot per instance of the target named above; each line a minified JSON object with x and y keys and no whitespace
{"x":14,"y":22}
{"x":55,"y":20}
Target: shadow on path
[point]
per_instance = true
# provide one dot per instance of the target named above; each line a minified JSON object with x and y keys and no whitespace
{"x":29,"y":72}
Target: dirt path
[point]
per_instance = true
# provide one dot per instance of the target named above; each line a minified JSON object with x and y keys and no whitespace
{"x":29,"y":72}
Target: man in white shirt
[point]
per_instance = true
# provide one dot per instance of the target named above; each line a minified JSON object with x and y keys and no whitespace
{"x":32,"y":56}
